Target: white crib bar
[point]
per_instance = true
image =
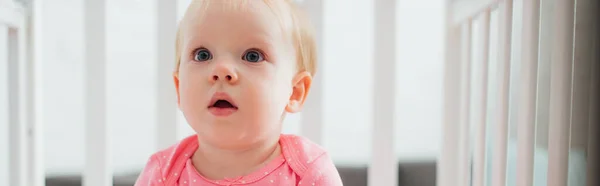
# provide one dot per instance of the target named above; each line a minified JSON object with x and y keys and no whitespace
{"x":447,"y":161}
{"x":98,"y":164}
{"x":383,"y":169}
{"x":5,"y":112}
{"x":464,"y":102}
{"x":17,"y":127}
{"x":560,"y":93}
{"x":24,"y":100}
{"x":467,"y":9}
{"x":312,"y":114}
{"x":13,"y":66}
{"x":505,"y":10}
{"x":481,"y":105}
{"x":21,"y":40}
{"x":36,"y":169}
{"x":166,"y":100}
{"x":527,"y":92}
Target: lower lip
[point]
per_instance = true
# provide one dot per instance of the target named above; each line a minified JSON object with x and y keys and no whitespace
{"x":221,"y":112}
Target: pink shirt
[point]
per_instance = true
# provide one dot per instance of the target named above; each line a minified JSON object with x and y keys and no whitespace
{"x":300,"y":163}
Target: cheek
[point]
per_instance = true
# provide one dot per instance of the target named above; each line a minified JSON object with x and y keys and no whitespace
{"x":277,"y":91}
{"x":267,"y":95}
{"x":265,"y":109}
{"x":190,"y":90}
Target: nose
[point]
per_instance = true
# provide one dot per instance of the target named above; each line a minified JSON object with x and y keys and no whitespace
{"x":223,"y":72}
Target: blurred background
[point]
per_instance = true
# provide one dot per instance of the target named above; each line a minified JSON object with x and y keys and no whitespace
{"x":422,"y":58}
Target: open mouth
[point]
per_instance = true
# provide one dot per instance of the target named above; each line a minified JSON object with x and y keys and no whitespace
{"x":222,"y":101}
{"x":222,"y":104}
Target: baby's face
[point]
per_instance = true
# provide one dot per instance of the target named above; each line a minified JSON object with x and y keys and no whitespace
{"x":237,"y":72}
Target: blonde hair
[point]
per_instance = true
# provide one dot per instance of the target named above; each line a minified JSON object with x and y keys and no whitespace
{"x":303,"y":36}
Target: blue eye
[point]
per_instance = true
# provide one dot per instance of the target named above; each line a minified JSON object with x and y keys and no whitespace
{"x":253,"y":56}
{"x":202,"y":55}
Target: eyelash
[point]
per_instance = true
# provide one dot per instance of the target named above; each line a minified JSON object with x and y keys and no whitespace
{"x":197,"y":51}
{"x":262,"y":56}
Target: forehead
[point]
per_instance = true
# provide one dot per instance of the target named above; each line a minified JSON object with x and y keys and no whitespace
{"x":208,"y":18}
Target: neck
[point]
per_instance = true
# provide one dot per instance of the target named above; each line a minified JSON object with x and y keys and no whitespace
{"x":217,"y":163}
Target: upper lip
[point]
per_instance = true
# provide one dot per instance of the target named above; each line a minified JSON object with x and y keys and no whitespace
{"x":221,"y":96}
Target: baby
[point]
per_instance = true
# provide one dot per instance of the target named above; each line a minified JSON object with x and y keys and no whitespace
{"x":241,"y":66}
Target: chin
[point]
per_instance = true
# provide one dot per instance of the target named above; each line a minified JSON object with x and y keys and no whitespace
{"x":232,"y":133}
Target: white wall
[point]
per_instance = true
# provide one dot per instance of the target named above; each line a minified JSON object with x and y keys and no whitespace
{"x":419,"y":79}
{"x":347,"y":74}
{"x":4,"y":107}
{"x":63,"y":86}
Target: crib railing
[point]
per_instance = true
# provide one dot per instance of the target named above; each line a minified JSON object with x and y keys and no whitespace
{"x":571,"y":117}
{"x":18,"y":125}
{"x":478,"y":70}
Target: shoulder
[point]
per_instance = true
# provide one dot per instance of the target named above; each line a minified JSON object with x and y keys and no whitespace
{"x":163,"y":165}
{"x":310,"y":161}
{"x":300,"y":151}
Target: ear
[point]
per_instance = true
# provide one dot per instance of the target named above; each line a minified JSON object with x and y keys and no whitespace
{"x":176,"y":81}
{"x":301,"y":85}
